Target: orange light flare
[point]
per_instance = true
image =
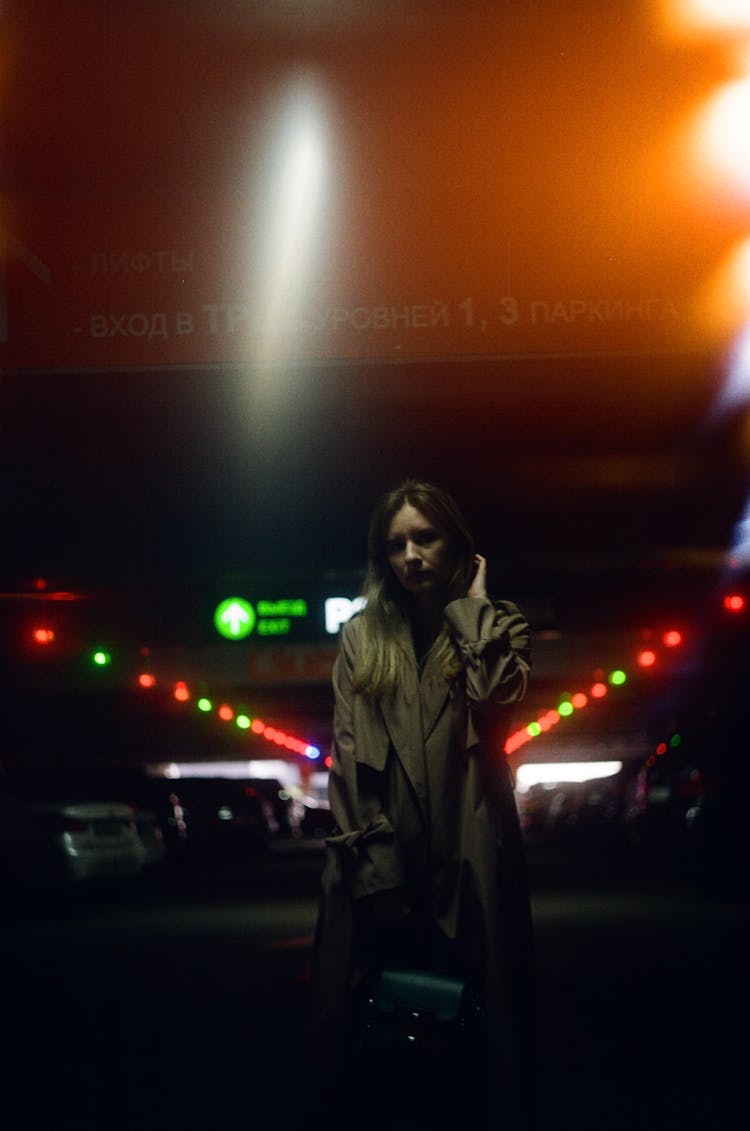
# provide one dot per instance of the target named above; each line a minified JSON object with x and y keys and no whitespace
{"x":696,"y":169}
{"x":719,"y":138}
{"x":646,"y":658}
{"x":699,"y":19}
{"x":706,"y":171}
{"x":722,"y":301}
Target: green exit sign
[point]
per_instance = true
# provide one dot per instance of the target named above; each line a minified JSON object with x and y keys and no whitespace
{"x":235,"y":617}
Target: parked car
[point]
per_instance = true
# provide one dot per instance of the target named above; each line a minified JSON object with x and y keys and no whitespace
{"x":49,"y":834}
{"x":188,"y":818}
{"x":159,"y":812}
{"x":119,"y":783}
{"x":149,"y":796}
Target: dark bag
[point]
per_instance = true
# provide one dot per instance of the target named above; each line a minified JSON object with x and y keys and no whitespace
{"x":423,"y":1039}
{"x":422,"y":1015}
{"x":417,"y":1009}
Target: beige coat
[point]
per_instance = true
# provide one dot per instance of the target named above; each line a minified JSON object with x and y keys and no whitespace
{"x":422,"y":796}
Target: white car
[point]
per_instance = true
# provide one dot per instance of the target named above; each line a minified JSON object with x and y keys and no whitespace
{"x":47,"y":836}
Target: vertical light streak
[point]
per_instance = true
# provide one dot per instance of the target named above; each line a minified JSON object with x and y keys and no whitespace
{"x":723,"y":133}
{"x":294,"y":197}
{"x":735,"y":391}
{"x":726,"y":130}
{"x":739,"y":552}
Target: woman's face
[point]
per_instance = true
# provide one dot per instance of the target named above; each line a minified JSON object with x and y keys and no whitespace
{"x":420,"y":553}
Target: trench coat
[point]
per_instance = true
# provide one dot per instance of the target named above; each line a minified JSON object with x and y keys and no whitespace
{"x":423,"y":801}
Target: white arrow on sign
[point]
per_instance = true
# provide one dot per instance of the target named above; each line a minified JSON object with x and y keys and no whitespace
{"x":234,"y":617}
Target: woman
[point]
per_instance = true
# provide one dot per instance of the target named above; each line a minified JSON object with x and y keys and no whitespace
{"x":426,"y":868}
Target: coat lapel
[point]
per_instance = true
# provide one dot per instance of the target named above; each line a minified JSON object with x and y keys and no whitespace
{"x":433,"y":693}
{"x":400,"y":712}
{"x":411,"y":714}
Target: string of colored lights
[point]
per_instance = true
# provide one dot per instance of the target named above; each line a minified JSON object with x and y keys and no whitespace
{"x":569,"y":703}
{"x":734,"y":602}
{"x":241,"y":718}
{"x":182,"y":694}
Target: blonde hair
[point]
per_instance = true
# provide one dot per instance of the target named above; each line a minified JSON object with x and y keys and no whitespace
{"x":385,"y":628}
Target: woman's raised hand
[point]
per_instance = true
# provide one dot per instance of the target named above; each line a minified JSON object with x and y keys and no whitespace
{"x":478,"y":587}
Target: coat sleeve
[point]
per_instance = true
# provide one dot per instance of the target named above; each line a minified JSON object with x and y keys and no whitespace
{"x":493,"y":639}
{"x":371,"y":857}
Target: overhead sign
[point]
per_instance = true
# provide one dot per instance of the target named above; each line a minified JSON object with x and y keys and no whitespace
{"x":235,"y":617}
{"x":301,"y":204}
{"x":338,"y":610}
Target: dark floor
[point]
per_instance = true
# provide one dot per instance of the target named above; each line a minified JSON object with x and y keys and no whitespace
{"x":180,"y":1004}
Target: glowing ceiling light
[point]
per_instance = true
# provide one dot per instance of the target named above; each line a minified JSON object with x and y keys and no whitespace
{"x":531,"y":773}
{"x":718,"y":15}
{"x":722,"y":153}
{"x":294,"y":196}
